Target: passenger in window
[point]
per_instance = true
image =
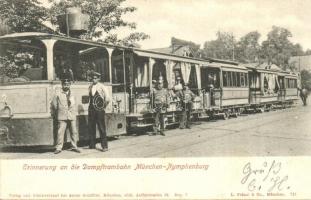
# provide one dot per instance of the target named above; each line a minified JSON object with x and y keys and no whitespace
{"x":66,"y":70}
{"x":99,"y":99}
{"x":64,"y":107}
{"x":90,"y":71}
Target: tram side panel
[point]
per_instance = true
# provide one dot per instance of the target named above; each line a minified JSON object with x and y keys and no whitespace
{"x":291,"y":91}
{"x":234,"y":96}
{"x":115,"y":118}
{"x":234,"y":91}
{"x":25,"y":117}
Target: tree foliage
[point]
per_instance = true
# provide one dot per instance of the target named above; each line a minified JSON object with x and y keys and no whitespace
{"x":248,"y":47}
{"x":277,"y":49}
{"x":105,"y":16}
{"x":306,"y":79}
{"x":23,"y":15}
{"x":222,"y":48}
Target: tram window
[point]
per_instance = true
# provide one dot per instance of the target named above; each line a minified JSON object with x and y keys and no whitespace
{"x":234,"y":78}
{"x":246,"y":80}
{"x":242,"y":76}
{"x":159,"y":70}
{"x":19,"y":63}
{"x":265,"y":84}
{"x":224,"y":78}
{"x":238,"y":77}
{"x":229,"y":79}
{"x":117,"y":71}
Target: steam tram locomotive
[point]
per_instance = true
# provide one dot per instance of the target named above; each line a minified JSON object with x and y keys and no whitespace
{"x":222,"y":88}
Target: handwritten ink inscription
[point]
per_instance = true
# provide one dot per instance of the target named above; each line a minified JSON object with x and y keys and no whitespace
{"x":268,"y":177}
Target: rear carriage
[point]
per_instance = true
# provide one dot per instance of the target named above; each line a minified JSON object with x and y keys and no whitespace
{"x":226,"y":88}
{"x":268,"y":87}
{"x":291,"y":94}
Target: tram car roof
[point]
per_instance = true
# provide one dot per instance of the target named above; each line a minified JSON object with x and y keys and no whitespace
{"x":140,"y":52}
{"x":226,"y":66}
{"x":266,"y":68}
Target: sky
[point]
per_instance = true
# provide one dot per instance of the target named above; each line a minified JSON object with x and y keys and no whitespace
{"x":199,"y":20}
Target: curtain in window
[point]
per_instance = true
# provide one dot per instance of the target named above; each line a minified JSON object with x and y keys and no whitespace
{"x":169,"y":65}
{"x":142,"y":73}
{"x":277,"y":84}
{"x":151,"y":63}
{"x":198,"y":75}
{"x":271,"y":83}
{"x":185,"y":71}
{"x":257,"y":84}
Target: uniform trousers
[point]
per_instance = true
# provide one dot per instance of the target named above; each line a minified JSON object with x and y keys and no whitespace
{"x":159,"y":119}
{"x":186,"y":115}
{"x":97,"y":118}
{"x":62,"y":126}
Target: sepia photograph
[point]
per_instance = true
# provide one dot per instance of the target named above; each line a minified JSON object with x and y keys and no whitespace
{"x":194,"y":91}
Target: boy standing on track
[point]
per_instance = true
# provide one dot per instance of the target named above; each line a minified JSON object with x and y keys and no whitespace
{"x":64,"y":105}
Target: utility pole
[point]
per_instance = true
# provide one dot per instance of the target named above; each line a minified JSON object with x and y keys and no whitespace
{"x":299,"y":63}
{"x":232,"y":46}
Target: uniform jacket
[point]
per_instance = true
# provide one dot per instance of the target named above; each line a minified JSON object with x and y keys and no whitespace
{"x":187,"y":96}
{"x":161,"y":96}
{"x":102,"y":91}
{"x":64,"y":107}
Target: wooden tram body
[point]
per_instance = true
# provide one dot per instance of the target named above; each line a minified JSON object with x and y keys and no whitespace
{"x":26,"y":116}
{"x":271,"y":87}
{"x":229,"y":93}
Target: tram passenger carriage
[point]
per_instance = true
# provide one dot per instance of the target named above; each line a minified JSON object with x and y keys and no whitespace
{"x":26,"y":118}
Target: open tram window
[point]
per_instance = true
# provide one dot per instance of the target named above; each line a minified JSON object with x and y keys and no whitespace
{"x":77,"y":61}
{"x":159,"y":70}
{"x":246,"y":80}
{"x":225,"y":79}
{"x":94,"y":59}
{"x":213,"y":78}
{"x":238,"y":78}
{"x":229,"y":79}
{"x":242,"y":79}
{"x":234,"y":79}
{"x":295,"y":83}
{"x":22,"y":61}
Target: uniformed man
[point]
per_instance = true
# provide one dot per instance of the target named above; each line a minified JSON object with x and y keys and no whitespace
{"x":99,"y":99}
{"x":187,"y":97}
{"x":160,"y":104}
{"x":64,"y":106}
